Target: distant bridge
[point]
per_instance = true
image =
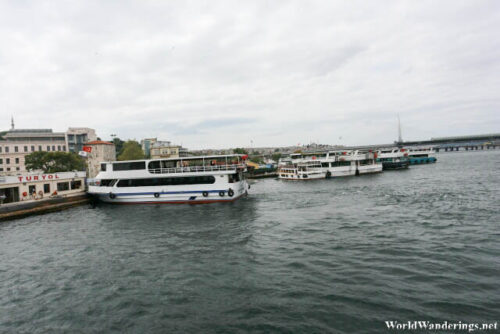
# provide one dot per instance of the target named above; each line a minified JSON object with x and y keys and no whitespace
{"x":475,"y":142}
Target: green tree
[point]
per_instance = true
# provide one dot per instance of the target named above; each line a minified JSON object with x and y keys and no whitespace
{"x":131,"y":151}
{"x":240,"y":151}
{"x":118,"y":145}
{"x":276,"y":156}
{"x":53,"y":162}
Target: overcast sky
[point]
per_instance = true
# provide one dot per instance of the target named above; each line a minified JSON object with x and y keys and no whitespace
{"x":225,"y":74}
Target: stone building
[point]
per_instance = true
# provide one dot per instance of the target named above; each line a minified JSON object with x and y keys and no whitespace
{"x":100,"y":151}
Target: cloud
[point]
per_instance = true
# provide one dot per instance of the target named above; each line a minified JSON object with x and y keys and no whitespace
{"x":224,"y":74}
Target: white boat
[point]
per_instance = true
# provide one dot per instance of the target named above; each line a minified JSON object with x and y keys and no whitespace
{"x":202,"y":179}
{"x":338,"y":163}
{"x":421,"y":155}
{"x":301,"y":171}
{"x":394,"y":158}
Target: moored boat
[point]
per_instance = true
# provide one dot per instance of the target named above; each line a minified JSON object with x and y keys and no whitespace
{"x":393,"y":158}
{"x":201,"y":179}
{"x":421,"y":155}
{"x":335,"y":163}
{"x":301,"y":171}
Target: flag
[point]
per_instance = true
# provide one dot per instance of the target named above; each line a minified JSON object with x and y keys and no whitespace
{"x":87,"y":149}
{"x":82,"y":154}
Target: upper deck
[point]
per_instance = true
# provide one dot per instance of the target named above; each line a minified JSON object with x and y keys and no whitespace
{"x":218,"y":164}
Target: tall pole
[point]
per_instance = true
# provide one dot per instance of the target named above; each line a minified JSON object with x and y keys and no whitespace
{"x":400,"y":138}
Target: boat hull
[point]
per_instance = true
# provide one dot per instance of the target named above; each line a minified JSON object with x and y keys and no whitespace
{"x":393,"y":165}
{"x":156,"y":195}
{"x":422,"y":160}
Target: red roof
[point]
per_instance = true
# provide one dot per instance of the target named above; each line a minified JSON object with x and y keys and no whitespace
{"x":99,"y":142}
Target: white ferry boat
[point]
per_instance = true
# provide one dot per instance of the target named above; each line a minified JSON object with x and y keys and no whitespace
{"x":421,"y":155}
{"x":393,"y":158}
{"x":336,"y":163}
{"x":202,"y":179}
{"x":301,"y":171}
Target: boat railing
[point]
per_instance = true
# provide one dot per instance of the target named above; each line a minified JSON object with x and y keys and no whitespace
{"x":197,"y":169}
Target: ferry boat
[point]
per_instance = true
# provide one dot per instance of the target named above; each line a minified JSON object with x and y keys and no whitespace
{"x":421,"y":155}
{"x":301,"y":171}
{"x":337,"y":163}
{"x":199,"y":179}
{"x":394,"y":158}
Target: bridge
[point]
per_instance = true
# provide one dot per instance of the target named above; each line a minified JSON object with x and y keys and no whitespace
{"x":447,"y":144}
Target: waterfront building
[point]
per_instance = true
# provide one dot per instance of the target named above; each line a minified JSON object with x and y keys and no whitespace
{"x":36,"y":186}
{"x":15,"y":144}
{"x":77,"y":137}
{"x":99,"y":151}
{"x":164,"y":149}
{"x":146,"y":145}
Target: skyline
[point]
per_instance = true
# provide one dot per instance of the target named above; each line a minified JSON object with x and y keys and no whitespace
{"x":220,"y":75}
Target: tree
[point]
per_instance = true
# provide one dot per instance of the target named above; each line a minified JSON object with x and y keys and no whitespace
{"x":240,"y":151}
{"x":118,"y":145}
{"x":54,"y":162}
{"x":131,"y":151}
{"x":276,"y":156}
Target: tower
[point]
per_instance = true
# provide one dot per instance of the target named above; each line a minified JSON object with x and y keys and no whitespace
{"x":400,"y":138}
{"x":12,"y":122}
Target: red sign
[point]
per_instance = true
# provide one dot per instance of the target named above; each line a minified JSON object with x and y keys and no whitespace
{"x":87,"y":149}
{"x":38,"y":177}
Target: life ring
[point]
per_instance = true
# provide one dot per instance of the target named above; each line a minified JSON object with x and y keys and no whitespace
{"x":205,"y":194}
{"x":112,"y":196}
{"x":157,"y":195}
{"x":328,"y":175}
{"x":230,"y":192}
{"x":25,"y":194}
{"x":221,"y":193}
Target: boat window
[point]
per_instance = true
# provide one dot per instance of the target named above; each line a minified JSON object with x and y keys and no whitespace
{"x":135,"y":165}
{"x":154,"y":165}
{"x":166,"y":181}
{"x":103,"y":167}
{"x":169,"y":163}
{"x":107,"y":182}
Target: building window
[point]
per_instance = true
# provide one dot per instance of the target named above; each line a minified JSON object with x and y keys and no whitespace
{"x":1,"y":161}
{"x":32,"y":148}
{"x":17,"y":168}
{"x":53,"y":147}
{"x":76,"y":184}
{"x":32,"y":190}
{"x":58,"y":147}
{"x":8,"y":169}
{"x":39,"y":147}
{"x":64,"y":148}
{"x":48,"y":148}
{"x":1,"y":169}
{"x":62,"y":186}
{"x":16,"y":149}
{"x":46,"y":188}
{"x":6,"y":149}
{"x":7,"y":161}
{"x":17,"y":161}
{"x":25,"y":148}
{"x":0,"y":149}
